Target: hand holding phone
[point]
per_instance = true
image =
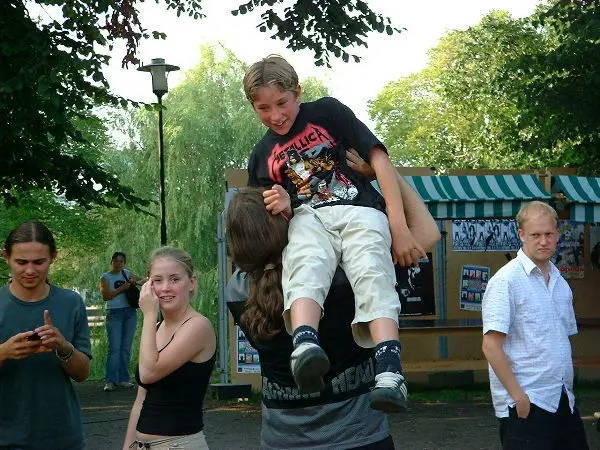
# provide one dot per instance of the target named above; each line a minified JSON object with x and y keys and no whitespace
{"x":34,"y":337}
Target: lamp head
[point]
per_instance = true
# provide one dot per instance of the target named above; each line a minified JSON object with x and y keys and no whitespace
{"x":159,"y":70}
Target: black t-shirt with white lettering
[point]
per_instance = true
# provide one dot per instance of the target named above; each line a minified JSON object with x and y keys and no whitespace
{"x":352,"y":367}
{"x":313,"y":153}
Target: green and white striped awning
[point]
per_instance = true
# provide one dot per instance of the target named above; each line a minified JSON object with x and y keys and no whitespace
{"x":584,"y":195}
{"x":476,"y":196}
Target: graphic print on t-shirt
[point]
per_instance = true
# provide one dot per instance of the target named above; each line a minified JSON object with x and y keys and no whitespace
{"x":310,"y":161}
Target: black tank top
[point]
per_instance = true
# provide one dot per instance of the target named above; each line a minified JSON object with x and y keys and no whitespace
{"x":173,"y":405}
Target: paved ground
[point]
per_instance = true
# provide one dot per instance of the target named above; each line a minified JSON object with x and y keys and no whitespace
{"x":231,"y":425}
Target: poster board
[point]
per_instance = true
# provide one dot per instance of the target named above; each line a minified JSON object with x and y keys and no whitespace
{"x":594,"y":246}
{"x":247,"y":357}
{"x":415,"y":287}
{"x":569,"y":251}
{"x":473,"y":282}
{"x":485,"y":235}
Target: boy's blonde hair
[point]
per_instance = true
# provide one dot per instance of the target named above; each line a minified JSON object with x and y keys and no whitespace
{"x":535,"y":208}
{"x":270,"y":71}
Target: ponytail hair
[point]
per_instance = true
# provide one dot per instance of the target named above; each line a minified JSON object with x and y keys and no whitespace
{"x":256,"y":239}
{"x":264,"y":307}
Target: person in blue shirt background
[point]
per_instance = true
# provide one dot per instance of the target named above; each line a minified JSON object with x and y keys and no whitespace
{"x":121,"y":321}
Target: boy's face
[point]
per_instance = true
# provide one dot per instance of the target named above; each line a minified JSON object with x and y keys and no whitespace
{"x":277,"y":109}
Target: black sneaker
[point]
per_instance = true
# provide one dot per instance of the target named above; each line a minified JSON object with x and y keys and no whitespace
{"x":390,"y":393}
{"x":308,"y":364}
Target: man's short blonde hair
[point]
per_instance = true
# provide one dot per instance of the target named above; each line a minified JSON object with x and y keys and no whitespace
{"x":270,"y":71}
{"x":536,"y":208}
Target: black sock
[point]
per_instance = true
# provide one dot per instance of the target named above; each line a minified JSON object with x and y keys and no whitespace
{"x":305,"y":333}
{"x":387,"y":357}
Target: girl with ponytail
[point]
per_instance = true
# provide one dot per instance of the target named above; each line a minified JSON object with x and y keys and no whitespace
{"x":256,"y":240}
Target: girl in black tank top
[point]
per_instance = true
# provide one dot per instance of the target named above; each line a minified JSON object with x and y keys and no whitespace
{"x":176,"y":358}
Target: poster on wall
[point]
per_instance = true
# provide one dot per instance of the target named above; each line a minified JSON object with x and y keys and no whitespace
{"x":473,"y":282}
{"x":595,"y":245}
{"x":485,"y":235}
{"x":247,"y":356}
{"x":569,"y":251}
{"x":415,"y":288}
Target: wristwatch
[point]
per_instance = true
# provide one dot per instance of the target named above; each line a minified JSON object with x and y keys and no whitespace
{"x":66,"y":358}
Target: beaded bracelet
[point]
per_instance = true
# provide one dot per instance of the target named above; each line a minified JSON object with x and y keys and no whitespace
{"x":65,"y":359}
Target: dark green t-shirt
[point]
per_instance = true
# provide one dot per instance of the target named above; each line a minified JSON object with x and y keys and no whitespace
{"x":39,"y":408}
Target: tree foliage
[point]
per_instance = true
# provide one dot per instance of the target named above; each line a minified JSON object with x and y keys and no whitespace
{"x":451,"y":115}
{"x":79,"y":231}
{"x":558,"y":88}
{"x":505,"y":93}
{"x":52,"y":74}
{"x":49,"y":80}
{"x":325,"y":27}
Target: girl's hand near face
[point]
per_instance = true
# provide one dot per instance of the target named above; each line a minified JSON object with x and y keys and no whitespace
{"x":148,"y":299}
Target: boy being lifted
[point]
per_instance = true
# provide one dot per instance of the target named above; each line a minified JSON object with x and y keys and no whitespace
{"x":338,"y":218}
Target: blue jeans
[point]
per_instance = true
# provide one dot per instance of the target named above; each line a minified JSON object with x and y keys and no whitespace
{"x":120,"y":327}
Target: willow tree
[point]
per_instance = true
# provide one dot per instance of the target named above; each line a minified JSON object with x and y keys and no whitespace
{"x":209,"y":126}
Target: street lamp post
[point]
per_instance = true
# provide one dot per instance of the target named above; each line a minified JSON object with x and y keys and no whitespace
{"x":159,"y":70}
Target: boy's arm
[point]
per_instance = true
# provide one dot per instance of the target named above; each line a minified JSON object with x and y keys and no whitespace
{"x":405,"y":249}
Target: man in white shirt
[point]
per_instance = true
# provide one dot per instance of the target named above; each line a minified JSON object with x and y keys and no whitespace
{"x":527,"y":320}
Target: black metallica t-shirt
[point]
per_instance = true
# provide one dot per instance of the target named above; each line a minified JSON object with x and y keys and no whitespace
{"x":313,"y":154}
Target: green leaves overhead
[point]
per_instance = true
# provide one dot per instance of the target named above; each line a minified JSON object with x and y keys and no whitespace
{"x":559,"y":89}
{"x":325,"y":27}
{"x":452,"y":115}
{"x":52,"y":73}
{"x":51,"y":76}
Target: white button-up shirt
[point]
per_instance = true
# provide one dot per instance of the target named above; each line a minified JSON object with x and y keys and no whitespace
{"x":538,"y":319}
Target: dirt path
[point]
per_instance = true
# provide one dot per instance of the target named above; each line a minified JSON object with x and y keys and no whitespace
{"x":440,"y":426}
